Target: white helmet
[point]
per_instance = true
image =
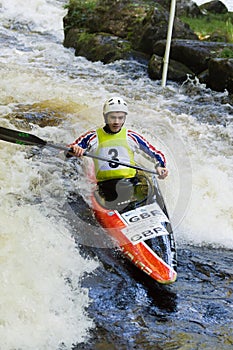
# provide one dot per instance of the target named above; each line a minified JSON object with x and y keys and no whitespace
{"x":115,"y":104}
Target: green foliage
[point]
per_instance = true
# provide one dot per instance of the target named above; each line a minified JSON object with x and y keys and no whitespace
{"x":85,"y":37}
{"x":79,"y":11}
{"x":214,"y":27}
{"x":83,"y":4}
{"x":226,"y":53}
{"x":229,"y":25}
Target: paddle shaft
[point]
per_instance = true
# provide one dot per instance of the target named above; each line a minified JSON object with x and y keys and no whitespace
{"x":26,"y":139}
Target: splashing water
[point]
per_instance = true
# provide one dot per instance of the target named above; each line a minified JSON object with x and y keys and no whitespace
{"x":42,"y":302}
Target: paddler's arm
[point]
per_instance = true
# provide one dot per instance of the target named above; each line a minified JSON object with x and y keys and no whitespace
{"x":141,"y":143}
{"x":84,"y":143}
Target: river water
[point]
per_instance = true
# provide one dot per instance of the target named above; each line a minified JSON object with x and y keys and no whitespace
{"x":59,"y":289}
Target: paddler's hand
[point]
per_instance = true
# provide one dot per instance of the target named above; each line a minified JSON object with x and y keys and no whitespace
{"x":78,"y":151}
{"x":162,"y":172}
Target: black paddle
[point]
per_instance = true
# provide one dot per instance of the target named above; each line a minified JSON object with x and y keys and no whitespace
{"x":26,"y":139}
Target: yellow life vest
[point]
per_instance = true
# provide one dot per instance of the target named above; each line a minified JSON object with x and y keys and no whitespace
{"x":115,"y":147}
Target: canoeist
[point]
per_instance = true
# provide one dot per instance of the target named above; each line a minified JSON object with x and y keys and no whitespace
{"x":116,"y":142}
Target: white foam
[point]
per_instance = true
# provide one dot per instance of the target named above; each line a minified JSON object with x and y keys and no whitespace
{"x":42,"y":302}
{"x":39,"y":309}
{"x":38,"y":15}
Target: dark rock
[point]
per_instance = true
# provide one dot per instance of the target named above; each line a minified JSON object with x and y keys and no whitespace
{"x":221,"y":74}
{"x":188,"y":9}
{"x":193,"y":53}
{"x":204,"y":77}
{"x":109,"y":30}
{"x":176,"y":71}
{"x":102,"y":47}
{"x":183,"y":7}
{"x":155,"y":67}
{"x":155,"y":26}
{"x":72,"y":37}
{"x":214,"y":6}
{"x":140,"y":24}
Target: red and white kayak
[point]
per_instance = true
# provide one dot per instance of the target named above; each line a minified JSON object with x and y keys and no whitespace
{"x":141,"y":229}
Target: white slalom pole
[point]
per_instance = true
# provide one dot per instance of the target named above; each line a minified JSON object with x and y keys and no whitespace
{"x":168,"y":43}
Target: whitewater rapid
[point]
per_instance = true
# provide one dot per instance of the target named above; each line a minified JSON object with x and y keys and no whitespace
{"x":42,"y":303}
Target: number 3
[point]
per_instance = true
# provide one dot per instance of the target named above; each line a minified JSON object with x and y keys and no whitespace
{"x":114,"y":154}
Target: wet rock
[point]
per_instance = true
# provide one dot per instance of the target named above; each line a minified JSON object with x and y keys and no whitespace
{"x":44,"y":113}
{"x":102,"y":47}
{"x":221,"y":74}
{"x":141,"y":24}
{"x":154,"y":28}
{"x":110,"y":30}
{"x":72,"y":37}
{"x":202,"y":58}
{"x":194,"y":54}
{"x":215,"y":6}
{"x":176,"y":71}
{"x":183,"y":7}
{"x":188,"y":8}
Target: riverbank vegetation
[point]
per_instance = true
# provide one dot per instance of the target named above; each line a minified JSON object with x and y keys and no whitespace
{"x":209,"y":27}
{"x":212,"y":27}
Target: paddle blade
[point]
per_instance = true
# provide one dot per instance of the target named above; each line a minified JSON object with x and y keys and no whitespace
{"x":20,"y":138}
